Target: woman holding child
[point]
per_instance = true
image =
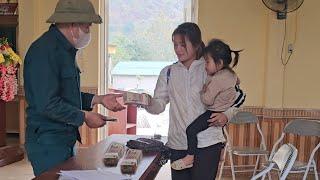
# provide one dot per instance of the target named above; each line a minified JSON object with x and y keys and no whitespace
{"x":180,"y":85}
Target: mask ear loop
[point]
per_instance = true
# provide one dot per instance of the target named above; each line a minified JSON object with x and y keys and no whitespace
{"x":73,"y":37}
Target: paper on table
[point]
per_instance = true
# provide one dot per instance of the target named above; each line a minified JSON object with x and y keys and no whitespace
{"x":91,"y":174}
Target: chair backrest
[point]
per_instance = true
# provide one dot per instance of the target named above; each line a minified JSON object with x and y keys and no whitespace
{"x":303,"y":127}
{"x":243,"y":117}
{"x":284,"y":158}
{"x":300,"y":127}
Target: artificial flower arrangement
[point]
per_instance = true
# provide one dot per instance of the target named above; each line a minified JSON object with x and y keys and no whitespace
{"x":9,"y":63}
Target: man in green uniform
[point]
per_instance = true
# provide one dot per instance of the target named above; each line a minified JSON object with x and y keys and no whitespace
{"x":56,"y":107}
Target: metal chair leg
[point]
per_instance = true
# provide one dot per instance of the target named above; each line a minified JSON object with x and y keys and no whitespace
{"x":222,"y":163}
{"x":266,"y":159}
{"x":263,"y":172}
{"x":315,"y":170}
{"x":307,"y":170}
{"x":256,"y":166}
{"x":232,"y":166}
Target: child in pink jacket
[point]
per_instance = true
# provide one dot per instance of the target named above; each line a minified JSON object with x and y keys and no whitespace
{"x":218,"y":94}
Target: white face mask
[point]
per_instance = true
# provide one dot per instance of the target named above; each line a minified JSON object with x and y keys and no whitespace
{"x":83,"y":40}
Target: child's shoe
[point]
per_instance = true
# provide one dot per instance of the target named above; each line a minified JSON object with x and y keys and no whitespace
{"x":179,"y":165}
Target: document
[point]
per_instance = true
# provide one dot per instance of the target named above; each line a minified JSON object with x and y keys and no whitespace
{"x":91,"y":174}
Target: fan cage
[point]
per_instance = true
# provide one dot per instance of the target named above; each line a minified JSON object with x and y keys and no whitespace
{"x":279,"y":5}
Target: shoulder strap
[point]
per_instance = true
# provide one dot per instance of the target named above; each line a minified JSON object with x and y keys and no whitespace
{"x":168,"y":74}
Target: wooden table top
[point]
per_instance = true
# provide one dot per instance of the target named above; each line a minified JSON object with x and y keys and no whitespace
{"x":91,"y":159}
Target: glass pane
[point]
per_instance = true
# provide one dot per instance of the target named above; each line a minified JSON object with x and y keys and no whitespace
{"x":140,"y":45}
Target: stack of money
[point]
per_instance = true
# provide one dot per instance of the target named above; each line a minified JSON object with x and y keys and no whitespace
{"x":135,"y":98}
{"x":130,"y":162}
{"x":114,"y":152}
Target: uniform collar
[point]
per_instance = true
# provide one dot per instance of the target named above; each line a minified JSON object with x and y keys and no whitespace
{"x":62,"y":39}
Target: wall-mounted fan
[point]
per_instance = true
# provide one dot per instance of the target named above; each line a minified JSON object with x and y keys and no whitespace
{"x":282,"y":7}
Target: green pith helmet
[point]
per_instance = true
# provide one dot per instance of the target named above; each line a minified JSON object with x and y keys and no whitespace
{"x":74,"y":11}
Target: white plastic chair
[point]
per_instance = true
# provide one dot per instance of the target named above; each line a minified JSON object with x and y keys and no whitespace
{"x":301,"y":127}
{"x":283,"y":159}
{"x":244,"y":118}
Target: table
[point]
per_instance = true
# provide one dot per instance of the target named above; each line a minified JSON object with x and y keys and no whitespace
{"x":8,"y":154}
{"x":91,"y":159}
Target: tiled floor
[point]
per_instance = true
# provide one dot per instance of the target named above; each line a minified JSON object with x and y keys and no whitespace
{"x":22,"y":170}
{"x":165,"y":174}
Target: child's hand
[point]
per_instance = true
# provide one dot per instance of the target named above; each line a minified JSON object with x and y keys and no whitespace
{"x":204,"y":88}
{"x":238,"y":81}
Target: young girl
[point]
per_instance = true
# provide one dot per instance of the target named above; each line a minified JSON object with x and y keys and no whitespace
{"x":179,"y":84}
{"x":218,"y":94}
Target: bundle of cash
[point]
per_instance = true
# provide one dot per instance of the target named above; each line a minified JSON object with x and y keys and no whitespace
{"x":130,"y":162}
{"x":114,"y":152}
{"x":135,"y":98}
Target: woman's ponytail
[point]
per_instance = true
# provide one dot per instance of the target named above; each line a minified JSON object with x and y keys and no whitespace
{"x":200,"y":50}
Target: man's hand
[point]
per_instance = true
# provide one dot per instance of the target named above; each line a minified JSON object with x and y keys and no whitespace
{"x":94,"y":120}
{"x":218,"y":119}
{"x":109,"y":101}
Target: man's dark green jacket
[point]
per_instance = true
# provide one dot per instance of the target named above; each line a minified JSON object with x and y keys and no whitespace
{"x":52,"y":89}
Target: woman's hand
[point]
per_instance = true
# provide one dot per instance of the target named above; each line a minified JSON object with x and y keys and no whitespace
{"x":218,"y":119}
{"x":149,"y":97}
{"x":109,"y":101}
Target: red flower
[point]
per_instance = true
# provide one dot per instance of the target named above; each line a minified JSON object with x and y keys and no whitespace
{"x":8,"y":82}
{"x":8,"y":76}
{"x":2,"y":47}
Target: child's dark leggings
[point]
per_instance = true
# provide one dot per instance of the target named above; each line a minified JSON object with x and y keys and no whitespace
{"x":198,"y":125}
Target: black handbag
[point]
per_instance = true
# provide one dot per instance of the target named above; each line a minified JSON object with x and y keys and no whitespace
{"x":151,"y":146}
